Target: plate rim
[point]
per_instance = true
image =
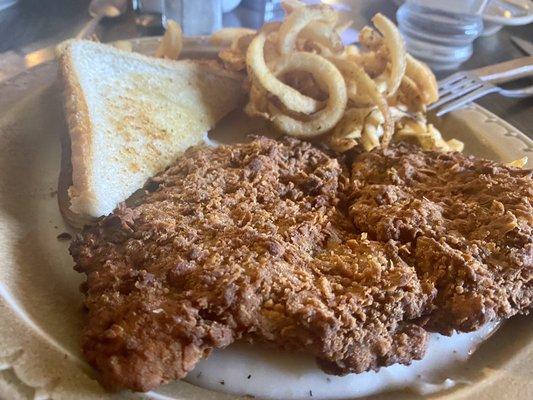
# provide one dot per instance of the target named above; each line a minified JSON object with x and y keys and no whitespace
{"x":9,"y":85}
{"x":513,"y":21}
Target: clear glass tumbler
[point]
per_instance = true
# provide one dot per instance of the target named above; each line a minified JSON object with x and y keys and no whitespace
{"x":196,"y":17}
{"x":441,"y":32}
{"x":6,"y":3}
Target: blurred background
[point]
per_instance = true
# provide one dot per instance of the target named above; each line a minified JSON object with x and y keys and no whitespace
{"x":450,"y":34}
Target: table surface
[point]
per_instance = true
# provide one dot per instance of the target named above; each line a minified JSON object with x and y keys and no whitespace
{"x":34,"y":24}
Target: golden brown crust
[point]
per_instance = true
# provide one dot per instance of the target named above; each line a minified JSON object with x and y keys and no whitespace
{"x":80,"y":127}
{"x":243,"y":241}
{"x":467,"y":224}
{"x":64,"y":183}
{"x":255,"y":241}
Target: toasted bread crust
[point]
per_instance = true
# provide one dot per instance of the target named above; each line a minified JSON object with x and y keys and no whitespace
{"x":80,"y":127}
{"x":64,"y":183}
{"x":77,"y":189}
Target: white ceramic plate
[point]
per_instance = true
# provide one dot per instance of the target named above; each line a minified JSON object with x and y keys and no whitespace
{"x":40,"y":305}
{"x":506,"y":12}
{"x":509,"y":12}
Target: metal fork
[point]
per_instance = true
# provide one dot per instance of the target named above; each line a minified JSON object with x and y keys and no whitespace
{"x":466,"y":86}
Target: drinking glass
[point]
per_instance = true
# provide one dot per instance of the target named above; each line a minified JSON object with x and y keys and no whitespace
{"x":196,"y":17}
{"x":6,"y":3}
{"x":441,"y":32}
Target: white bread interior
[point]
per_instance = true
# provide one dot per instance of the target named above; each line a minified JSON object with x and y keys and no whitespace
{"x":129,"y":117}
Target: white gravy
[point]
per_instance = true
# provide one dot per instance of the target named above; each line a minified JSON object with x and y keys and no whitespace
{"x":272,"y":374}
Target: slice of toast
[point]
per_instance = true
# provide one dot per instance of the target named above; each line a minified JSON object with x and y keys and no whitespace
{"x":129,"y":117}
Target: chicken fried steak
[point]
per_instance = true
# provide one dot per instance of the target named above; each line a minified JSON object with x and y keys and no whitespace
{"x":466,"y":224}
{"x":273,"y":241}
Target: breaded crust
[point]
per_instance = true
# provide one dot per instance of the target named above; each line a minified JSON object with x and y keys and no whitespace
{"x":270,"y":241}
{"x":466,"y":225}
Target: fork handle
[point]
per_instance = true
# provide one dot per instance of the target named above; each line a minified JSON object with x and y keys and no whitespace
{"x":518,"y":93}
{"x":506,"y":71}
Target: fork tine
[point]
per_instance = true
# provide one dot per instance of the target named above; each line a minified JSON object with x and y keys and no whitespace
{"x":458,"y":92}
{"x":476,"y":94}
{"x":452,"y":78}
{"x":471,"y":86}
{"x":457,"y":85}
{"x":456,"y":82}
{"x":449,"y":88}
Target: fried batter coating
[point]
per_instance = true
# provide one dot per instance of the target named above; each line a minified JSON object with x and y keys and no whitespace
{"x":467,"y":224}
{"x":281,"y":243}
